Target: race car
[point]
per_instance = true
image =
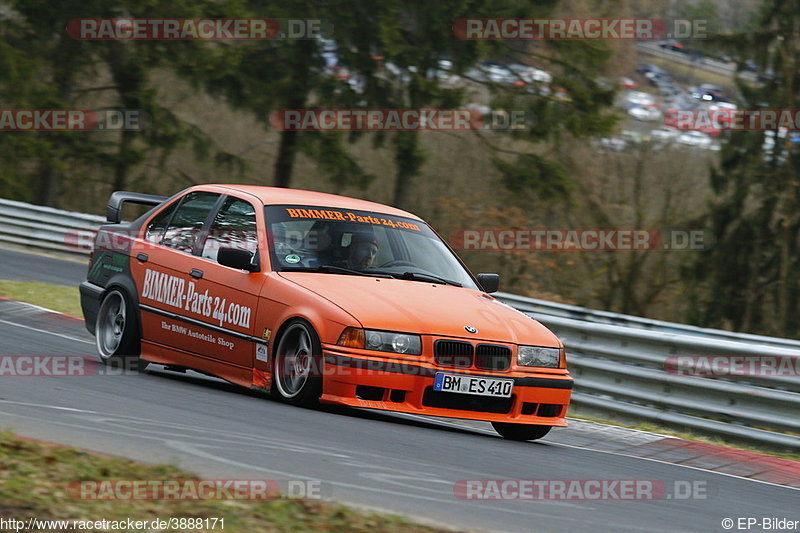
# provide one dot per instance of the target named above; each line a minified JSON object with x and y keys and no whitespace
{"x":318,"y":298}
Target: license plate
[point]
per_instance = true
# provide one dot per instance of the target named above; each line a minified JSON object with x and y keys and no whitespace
{"x":479,"y":386}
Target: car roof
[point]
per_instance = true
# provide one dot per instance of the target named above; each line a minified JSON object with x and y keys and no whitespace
{"x":284,"y":196}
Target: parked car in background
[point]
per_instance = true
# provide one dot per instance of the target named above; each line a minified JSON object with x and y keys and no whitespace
{"x":663,"y":136}
{"x":695,"y":139}
{"x":444,"y":72}
{"x":706,"y":92}
{"x":645,"y":68}
{"x":669,"y":89}
{"x":672,"y":44}
{"x":639,"y":98}
{"x":529,"y":74}
{"x":656,"y":79}
{"x":610,"y":144}
{"x":645,"y":113}
{"x":497,"y":73}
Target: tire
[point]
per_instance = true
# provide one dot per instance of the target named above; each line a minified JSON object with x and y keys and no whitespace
{"x":296,"y":370}
{"x":117,"y":333}
{"x":520,"y":432}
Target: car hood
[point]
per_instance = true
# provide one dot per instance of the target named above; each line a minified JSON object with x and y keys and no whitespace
{"x":426,"y":308}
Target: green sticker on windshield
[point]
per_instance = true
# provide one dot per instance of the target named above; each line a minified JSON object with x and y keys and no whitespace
{"x":292,"y":258}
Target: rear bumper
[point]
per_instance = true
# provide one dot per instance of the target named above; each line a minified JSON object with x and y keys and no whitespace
{"x":91,"y":295}
{"x":400,"y":385}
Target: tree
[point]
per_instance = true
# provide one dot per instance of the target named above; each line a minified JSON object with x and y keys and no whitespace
{"x":750,"y":278}
{"x":414,"y":36}
{"x":38,"y":75}
{"x":67,"y":72}
{"x":280,"y":74}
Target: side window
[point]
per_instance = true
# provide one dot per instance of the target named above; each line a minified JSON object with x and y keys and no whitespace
{"x":188,"y":220}
{"x":233,"y":227}
{"x":155,"y":230}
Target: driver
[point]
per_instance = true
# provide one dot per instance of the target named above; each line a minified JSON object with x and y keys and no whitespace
{"x":362,"y":250}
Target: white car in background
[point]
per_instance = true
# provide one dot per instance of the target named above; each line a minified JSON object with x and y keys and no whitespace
{"x":610,"y":144}
{"x":696,"y":139}
{"x":663,"y":136}
{"x":530,"y":74}
{"x":541,"y":76}
{"x":646,"y":113}
{"x":639,"y":98}
{"x":730,"y":106}
{"x":444,"y":72}
{"x":495,"y":73}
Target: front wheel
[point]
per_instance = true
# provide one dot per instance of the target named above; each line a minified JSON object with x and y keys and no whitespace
{"x":520,"y":431}
{"x":117,"y":333}
{"x":296,"y":371}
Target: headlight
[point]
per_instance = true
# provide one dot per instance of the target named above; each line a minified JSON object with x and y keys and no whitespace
{"x":381,"y":341}
{"x":387,"y":341}
{"x":539,"y":356}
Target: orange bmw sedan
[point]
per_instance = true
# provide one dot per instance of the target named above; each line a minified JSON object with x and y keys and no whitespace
{"x":319,"y":298}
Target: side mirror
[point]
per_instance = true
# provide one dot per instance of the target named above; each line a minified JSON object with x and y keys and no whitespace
{"x":489,"y":282}
{"x":237,"y":258}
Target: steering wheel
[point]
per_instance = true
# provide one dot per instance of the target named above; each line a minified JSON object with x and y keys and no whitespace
{"x":397,"y":262}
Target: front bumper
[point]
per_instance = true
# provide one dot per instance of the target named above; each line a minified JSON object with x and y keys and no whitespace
{"x":407,"y":386}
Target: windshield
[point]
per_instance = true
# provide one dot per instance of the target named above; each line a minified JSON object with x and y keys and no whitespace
{"x":343,"y":241}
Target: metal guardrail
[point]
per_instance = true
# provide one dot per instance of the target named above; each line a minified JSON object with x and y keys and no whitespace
{"x":624,"y":370}
{"x":536,"y":307}
{"x":619,"y":361}
{"x":46,"y":228}
{"x":620,"y":366}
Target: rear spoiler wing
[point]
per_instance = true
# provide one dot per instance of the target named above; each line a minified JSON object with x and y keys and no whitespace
{"x":117,"y":198}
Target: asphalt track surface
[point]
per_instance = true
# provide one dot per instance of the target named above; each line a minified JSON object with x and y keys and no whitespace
{"x":403,"y":464}
{"x":16,"y":265}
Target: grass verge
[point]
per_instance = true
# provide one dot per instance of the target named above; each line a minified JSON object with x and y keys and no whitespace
{"x":56,"y":297}
{"x":34,"y":478}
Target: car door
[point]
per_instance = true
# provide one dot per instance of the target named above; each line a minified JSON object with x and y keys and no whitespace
{"x":201,"y":311}
{"x":232,"y":294}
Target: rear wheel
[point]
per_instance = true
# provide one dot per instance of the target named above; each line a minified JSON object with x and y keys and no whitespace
{"x":117,"y":333}
{"x":297,"y":371}
{"x":520,"y":431}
